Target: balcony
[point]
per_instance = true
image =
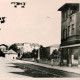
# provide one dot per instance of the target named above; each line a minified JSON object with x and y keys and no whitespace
{"x":71,"y":40}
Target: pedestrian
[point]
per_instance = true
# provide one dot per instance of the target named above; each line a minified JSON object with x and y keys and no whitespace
{"x":60,"y":63}
{"x":52,"y":62}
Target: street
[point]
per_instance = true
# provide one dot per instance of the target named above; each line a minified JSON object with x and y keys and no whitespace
{"x":22,"y":69}
{"x":5,"y":69}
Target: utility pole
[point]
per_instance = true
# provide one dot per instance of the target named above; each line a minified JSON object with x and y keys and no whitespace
{"x":39,"y":54}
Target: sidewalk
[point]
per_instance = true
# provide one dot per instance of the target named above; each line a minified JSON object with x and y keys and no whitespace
{"x":64,"y":68}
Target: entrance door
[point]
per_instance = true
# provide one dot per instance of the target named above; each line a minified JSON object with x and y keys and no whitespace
{"x":69,"y":58}
{"x":75,"y":56}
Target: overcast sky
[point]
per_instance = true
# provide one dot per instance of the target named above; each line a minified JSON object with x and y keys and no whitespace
{"x":39,"y":22}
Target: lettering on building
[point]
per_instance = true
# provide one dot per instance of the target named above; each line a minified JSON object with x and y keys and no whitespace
{"x":2,"y":20}
{"x":16,"y":4}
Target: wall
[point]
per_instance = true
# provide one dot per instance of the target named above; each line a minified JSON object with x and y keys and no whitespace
{"x":70,"y":38}
{"x":78,"y":23}
{"x":74,"y":54}
{"x":28,"y":47}
{"x":10,"y":56}
{"x":51,"y":48}
{"x":3,"y":48}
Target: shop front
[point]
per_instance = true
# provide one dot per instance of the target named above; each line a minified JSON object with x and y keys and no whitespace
{"x":70,"y":55}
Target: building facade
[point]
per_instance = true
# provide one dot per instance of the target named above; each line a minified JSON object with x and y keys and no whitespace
{"x":3,"y":48}
{"x":10,"y":54}
{"x":52,"y":47}
{"x":27,"y":47}
{"x":70,"y":33}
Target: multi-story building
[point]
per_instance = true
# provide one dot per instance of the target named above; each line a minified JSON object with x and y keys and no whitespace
{"x":70,"y":33}
{"x":27,"y":47}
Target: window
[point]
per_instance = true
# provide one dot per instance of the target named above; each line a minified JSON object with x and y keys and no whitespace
{"x":79,"y":28}
{"x":64,"y":33}
{"x":74,"y":9}
{"x":70,"y":18}
{"x":73,"y":18}
{"x":69,"y":31}
{"x":72,"y":29}
{"x":71,"y":11}
{"x":64,"y":16}
{"x":68,"y":13}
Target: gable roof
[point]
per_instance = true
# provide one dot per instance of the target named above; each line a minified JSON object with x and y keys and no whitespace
{"x":66,"y":5}
{"x":3,"y":45}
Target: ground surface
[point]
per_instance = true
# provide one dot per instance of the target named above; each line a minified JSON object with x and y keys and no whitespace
{"x":21,"y":69}
{"x":5,"y":70}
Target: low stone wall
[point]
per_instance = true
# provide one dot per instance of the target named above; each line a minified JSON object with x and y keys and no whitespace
{"x":28,"y":59}
{"x":43,"y":61}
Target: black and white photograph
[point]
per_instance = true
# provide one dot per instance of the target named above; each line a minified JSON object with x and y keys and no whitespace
{"x":39,"y":39}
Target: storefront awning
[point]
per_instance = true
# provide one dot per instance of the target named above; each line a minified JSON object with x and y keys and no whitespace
{"x":75,"y":45}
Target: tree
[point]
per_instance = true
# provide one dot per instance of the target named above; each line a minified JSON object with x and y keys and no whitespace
{"x":26,"y":55}
{"x":2,"y":54}
{"x":14,"y":47}
{"x":34,"y":53}
{"x":54,"y":54}
{"x":43,"y":53}
{"x":4,"y":45}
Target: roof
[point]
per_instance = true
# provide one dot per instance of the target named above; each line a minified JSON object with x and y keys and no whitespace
{"x":32,"y":44}
{"x":11,"y":52}
{"x":19,"y":44}
{"x":75,"y":45}
{"x":3,"y":45}
{"x":67,"y":5}
{"x":54,"y":45}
